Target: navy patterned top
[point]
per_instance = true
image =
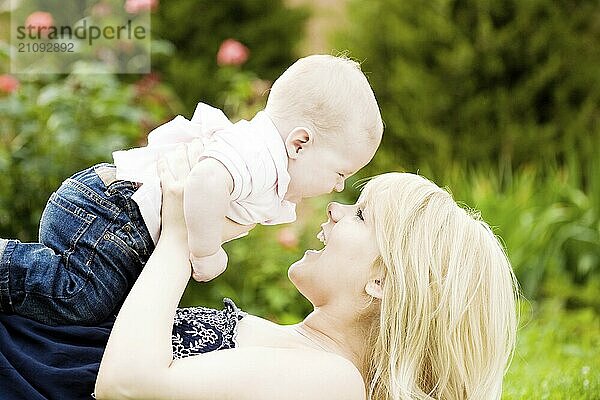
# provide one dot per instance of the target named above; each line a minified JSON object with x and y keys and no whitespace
{"x":40,"y":362}
{"x":200,"y":330}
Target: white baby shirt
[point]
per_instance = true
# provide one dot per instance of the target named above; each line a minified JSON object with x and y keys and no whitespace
{"x":252,"y":151}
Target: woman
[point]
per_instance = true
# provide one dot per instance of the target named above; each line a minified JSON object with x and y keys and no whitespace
{"x":413,"y":298}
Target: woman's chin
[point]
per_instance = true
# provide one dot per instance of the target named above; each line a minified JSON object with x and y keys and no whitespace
{"x":312,"y":252}
{"x":310,"y":255}
{"x":306,"y":260}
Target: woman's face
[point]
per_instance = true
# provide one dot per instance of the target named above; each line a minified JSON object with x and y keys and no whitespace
{"x":341,"y":270}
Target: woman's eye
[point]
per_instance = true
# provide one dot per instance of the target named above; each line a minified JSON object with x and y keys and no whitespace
{"x":359,"y":214}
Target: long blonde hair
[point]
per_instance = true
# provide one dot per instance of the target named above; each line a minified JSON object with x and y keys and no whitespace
{"x":448,"y":319}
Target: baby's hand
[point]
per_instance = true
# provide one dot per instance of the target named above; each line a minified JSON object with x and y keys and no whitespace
{"x":209,"y":267}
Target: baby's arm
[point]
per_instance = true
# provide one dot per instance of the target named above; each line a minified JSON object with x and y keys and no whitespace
{"x":206,"y":201}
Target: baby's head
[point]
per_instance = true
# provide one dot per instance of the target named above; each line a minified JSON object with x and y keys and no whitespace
{"x":329,"y":120}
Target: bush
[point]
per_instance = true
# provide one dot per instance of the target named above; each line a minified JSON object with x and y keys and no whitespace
{"x":196,"y":28}
{"x":478,"y":82}
{"x":549,"y":223}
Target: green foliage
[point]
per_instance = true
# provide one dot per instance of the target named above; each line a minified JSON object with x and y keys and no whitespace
{"x":550,"y":225}
{"x":270,"y":29}
{"x":557,"y":355}
{"x":50,"y":131}
{"x":478,"y":82}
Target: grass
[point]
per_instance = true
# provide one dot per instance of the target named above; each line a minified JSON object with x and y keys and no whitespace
{"x":557,"y":354}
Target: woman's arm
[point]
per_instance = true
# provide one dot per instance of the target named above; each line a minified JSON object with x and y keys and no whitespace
{"x":139,"y":346}
{"x":256,"y":373}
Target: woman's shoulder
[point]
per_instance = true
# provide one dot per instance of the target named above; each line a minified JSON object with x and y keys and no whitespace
{"x":314,"y":373}
{"x":341,"y":375}
{"x":272,"y":372}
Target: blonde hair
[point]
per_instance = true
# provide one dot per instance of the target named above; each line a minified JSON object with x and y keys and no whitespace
{"x":327,"y":94}
{"x":448,"y":319}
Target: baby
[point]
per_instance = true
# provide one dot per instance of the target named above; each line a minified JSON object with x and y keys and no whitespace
{"x":321,"y":124}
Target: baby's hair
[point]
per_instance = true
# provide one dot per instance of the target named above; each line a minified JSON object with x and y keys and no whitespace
{"x":329,"y":95}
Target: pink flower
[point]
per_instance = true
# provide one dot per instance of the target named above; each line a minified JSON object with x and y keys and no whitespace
{"x":101,"y":9}
{"x":137,"y":6}
{"x":287,"y":238}
{"x":147,"y":83}
{"x":8,"y":83}
{"x":41,"y":21}
{"x":232,"y":52}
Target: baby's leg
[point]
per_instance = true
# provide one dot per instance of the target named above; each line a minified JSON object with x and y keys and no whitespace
{"x":36,"y":283}
{"x":92,"y":247}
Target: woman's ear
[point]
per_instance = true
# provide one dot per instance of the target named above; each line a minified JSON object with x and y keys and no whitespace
{"x":374,"y":288}
{"x":297,"y":140}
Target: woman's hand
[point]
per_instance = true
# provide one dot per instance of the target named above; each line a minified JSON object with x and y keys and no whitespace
{"x":172,"y":171}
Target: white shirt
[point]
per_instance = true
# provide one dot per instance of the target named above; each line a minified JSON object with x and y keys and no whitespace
{"x":252,"y":151}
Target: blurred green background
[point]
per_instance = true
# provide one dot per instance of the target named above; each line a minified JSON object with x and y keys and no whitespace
{"x":497,"y":100}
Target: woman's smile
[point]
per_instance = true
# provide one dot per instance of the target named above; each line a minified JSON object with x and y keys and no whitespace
{"x":322,"y":239}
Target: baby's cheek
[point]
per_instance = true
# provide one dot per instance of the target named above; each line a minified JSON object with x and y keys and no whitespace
{"x":328,"y":185}
{"x":320,"y":189}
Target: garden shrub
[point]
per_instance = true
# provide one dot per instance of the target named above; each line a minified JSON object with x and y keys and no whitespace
{"x":50,"y":130}
{"x":478,"y":82}
{"x":550,"y":226}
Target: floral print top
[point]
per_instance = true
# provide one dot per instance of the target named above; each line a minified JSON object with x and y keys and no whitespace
{"x":198,"y":330}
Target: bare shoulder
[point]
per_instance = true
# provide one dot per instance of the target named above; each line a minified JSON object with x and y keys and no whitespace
{"x":344,"y":379}
{"x":267,"y":373}
{"x":322,"y":375}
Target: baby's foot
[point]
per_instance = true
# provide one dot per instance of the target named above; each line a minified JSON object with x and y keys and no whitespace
{"x":208,"y":267}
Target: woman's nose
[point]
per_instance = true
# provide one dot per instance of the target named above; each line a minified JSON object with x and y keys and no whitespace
{"x":335,"y":211}
{"x":339,"y":187}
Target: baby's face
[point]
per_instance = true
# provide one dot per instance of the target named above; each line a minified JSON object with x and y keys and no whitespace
{"x":323,"y":168}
